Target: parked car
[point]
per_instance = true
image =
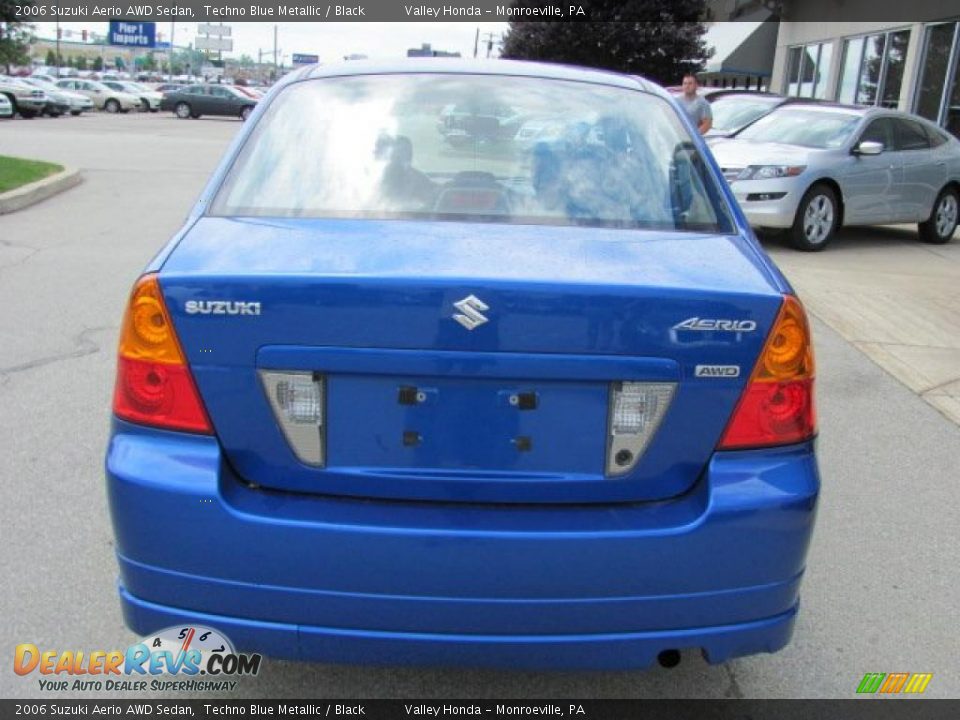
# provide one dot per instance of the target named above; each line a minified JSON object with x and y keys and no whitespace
{"x":814,"y":168}
{"x":167,"y":87}
{"x":546,"y":407}
{"x":6,"y":107}
{"x":252,"y":92}
{"x":103,"y":97}
{"x":149,"y":99}
{"x":58,"y":102}
{"x":26,"y":100}
{"x":735,"y":110}
{"x":196,"y":100}
{"x":464,"y":125}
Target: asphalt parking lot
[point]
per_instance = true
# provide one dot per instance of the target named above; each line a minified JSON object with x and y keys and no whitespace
{"x":883,"y":581}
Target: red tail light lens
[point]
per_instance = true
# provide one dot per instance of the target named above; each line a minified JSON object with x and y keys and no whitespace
{"x":777,"y":406}
{"x":154,"y":384}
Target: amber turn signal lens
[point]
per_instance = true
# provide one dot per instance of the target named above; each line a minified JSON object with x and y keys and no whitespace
{"x":787,"y":354}
{"x":147,"y":333}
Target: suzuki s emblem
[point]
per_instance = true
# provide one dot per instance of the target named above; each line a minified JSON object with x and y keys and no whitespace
{"x":471,"y":312}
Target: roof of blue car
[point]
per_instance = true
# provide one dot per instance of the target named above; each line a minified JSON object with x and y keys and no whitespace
{"x":478,"y":67}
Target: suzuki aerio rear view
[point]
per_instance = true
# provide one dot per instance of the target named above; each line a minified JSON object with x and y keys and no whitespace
{"x":465,"y":364}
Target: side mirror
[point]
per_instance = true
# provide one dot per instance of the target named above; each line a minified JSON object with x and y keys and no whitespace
{"x":868,"y":147}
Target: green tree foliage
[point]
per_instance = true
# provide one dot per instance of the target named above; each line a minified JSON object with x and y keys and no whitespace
{"x":81,"y":62}
{"x":15,"y":35}
{"x":97,"y":64}
{"x":659,"y":39}
{"x":51,"y":58}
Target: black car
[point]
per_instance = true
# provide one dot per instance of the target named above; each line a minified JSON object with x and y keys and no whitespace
{"x":196,"y":100}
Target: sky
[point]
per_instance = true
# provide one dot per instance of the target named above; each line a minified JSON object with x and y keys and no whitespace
{"x":331,"y":41}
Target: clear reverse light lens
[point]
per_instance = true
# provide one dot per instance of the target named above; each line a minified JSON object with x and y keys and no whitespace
{"x":297,"y":400}
{"x":636,"y":410}
{"x":300,"y":399}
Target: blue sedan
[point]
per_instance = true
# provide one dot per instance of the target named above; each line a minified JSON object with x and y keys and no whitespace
{"x":386,"y":399}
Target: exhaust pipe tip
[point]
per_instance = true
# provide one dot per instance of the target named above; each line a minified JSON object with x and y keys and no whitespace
{"x":669,"y":658}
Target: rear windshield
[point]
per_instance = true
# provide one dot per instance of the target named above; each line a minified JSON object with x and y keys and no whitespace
{"x":472,"y":147}
{"x":809,"y":128}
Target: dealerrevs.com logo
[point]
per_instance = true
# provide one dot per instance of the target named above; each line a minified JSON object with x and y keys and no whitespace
{"x":184,"y":657}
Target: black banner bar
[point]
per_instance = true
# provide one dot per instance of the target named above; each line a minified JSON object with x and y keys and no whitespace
{"x":473,"y":11}
{"x":862,"y":709}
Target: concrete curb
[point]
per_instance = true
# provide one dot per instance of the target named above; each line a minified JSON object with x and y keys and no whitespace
{"x":32,"y":193}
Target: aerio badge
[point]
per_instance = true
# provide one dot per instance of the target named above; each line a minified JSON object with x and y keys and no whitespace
{"x":713,"y":325}
{"x":471,"y":312}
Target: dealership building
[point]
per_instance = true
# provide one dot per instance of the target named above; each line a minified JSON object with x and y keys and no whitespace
{"x":833,"y":51}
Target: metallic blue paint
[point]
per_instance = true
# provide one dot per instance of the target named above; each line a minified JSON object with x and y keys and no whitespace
{"x":384,"y":290}
{"x":333,"y":579}
{"x":425,"y":558}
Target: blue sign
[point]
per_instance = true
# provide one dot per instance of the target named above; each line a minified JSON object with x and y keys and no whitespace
{"x":133,"y":34}
{"x":299,"y":59}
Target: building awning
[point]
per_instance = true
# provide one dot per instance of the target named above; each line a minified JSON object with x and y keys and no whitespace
{"x":742,"y":48}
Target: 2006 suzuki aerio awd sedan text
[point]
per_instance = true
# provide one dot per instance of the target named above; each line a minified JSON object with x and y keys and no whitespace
{"x":534,"y":401}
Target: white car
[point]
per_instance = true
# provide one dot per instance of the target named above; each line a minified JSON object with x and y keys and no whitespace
{"x":76,"y":102}
{"x":149,"y":99}
{"x":103,"y":97}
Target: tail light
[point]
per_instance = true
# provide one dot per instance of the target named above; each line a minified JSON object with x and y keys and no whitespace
{"x":154,"y":385}
{"x":777,"y":406}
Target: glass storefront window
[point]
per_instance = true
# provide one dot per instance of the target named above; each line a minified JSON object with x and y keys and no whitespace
{"x":868,"y":88}
{"x":852,"y":52}
{"x":823,"y":72}
{"x":933,"y":77}
{"x":793,"y":70}
{"x":952,"y":120}
{"x":896,"y":57}
{"x":808,"y":70}
{"x":871,"y":72}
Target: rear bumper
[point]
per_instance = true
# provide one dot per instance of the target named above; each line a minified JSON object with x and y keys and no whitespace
{"x":342,"y":580}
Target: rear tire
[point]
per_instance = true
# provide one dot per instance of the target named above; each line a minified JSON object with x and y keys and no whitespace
{"x":183,"y":111}
{"x":112,"y":106}
{"x":942,"y":223}
{"x":76,"y":113}
{"x":816,"y":220}
{"x":245,"y":113}
{"x":144,"y":105}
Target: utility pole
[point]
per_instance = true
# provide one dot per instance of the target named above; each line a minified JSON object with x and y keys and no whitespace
{"x":476,"y":42}
{"x":58,"y":49}
{"x":275,"y":53}
{"x":489,"y":37}
{"x":170,"y":54}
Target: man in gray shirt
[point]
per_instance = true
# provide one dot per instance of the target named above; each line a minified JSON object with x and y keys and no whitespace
{"x":696,"y":107}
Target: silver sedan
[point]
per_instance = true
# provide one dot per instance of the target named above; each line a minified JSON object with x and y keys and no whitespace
{"x":813,"y":168}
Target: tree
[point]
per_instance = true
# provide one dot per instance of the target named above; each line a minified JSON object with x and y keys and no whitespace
{"x":82,"y":62}
{"x":97,"y":64}
{"x":246,"y":61}
{"x":659,"y":39}
{"x":15,"y":36}
{"x":51,"y":58}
